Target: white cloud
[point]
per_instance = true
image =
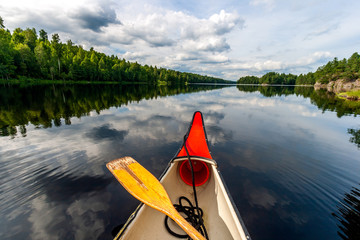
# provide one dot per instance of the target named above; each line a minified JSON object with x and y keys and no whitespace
{"x":88,"y":208}
{"x":251,"y":38}
{"x":313,"y":58}
{"x":40,"y":221}
{"x":208,"y":44}
{"x":217,"y":58}
{"x":261,"y":197}
{"x":225,"y":22}
{"x":216,"y":25}
{"x":178,"y":38}
{"x":81,"y":218}
{"x":134,"y":56}
{"x":269,"y":65}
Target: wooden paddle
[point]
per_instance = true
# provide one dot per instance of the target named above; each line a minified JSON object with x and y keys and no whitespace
{"x":140,"y":183}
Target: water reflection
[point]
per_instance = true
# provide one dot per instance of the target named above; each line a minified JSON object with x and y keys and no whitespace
{"x":286,"y":162}
{"x":355,"y":136}
{"x":348,"y":215}
{"x":54,"y":105}
{"x":324,"y":100}
{"x":81,"y":202}
{"x":107,"y":132}
{"x":45,"y":105}
{"x":271,"y":91}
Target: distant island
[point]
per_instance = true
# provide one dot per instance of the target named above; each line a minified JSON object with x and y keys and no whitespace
{"x":25,"y":55}
{"x":336,"y":76}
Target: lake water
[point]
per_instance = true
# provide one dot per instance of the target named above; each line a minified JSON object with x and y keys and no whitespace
{"x":290,"y":156}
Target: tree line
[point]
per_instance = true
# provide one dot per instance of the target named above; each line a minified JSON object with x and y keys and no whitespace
{"x":269,"y":78}
{"x":24,"y":53}
{"x":347,"y":69}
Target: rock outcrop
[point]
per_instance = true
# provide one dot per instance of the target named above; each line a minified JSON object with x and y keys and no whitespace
{"x":339,"y":86}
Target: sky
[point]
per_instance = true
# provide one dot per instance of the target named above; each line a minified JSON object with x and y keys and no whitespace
{"x":227,"y":39}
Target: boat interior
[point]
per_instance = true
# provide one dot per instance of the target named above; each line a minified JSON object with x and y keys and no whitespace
{"x":220,"y":217}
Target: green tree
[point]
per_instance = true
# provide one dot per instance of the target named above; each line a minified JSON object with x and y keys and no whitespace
{"x":76,"y":71}
{"x":249,"y":80}
{"x":353,"y":66}
{"x":102,"y":65}
{"x":26,"y":59}
{"x":18,"y":36}
{"x":103,"y":71}
{"x":30,"y":38}
{"x":43,"y":56}
{"x":43,"y":35}
{"x":86,"y":67}
{"x":2,"y":26}
{"x":56,"y":49}
{"x":116,"y":72}
{"x":7,"y":67}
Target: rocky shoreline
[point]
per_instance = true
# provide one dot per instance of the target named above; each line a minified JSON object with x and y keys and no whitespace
{"x":339,"y":86}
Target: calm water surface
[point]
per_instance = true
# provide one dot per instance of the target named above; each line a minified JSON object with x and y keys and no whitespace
{"x":290,"y":156}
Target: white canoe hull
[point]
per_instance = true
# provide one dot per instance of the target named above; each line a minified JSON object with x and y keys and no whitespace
{"x":221,"y":218}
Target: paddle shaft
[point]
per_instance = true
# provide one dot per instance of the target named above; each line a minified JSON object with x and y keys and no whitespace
{"x":145,"y":187}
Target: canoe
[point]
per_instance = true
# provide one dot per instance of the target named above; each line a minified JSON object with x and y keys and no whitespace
{"x":220,"y":217}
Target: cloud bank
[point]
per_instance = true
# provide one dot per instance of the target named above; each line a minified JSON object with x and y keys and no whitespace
{"x":224,"y":39}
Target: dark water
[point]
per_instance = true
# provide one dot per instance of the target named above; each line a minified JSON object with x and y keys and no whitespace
{"x":290,"y":156}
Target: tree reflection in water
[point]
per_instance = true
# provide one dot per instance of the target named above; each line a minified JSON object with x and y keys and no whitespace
{"x":324,"y":100}
{"x":348,"y":216}
{"x":46,"y":106}
{"x":355,"y":136}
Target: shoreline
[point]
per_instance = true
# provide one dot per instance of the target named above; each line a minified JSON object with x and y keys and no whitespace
{"x":339,"y":86}
{"x":31,"y":82}
{"x":347,"y":90}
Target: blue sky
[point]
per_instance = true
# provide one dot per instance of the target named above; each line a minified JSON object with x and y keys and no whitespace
{"x":227,"y":38}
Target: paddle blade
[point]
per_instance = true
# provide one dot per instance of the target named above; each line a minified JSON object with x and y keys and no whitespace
{"x":140,"y":183}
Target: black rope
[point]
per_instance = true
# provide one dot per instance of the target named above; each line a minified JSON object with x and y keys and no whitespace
{"x":191,"y":216}
{"x":195,"y":218}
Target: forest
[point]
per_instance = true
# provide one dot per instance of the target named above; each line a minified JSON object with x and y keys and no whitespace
{"x":25,"y":54}
{"x":347,"y":69}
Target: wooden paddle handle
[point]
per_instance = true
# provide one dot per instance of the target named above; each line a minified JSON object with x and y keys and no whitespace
{"x":186,"y":226}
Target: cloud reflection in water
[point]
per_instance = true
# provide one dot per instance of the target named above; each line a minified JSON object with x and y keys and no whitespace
{"x":285,"y":162}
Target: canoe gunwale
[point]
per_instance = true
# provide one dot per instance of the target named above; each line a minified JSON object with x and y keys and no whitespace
{"x":206,"y":160}
{"x":242,"y":223}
